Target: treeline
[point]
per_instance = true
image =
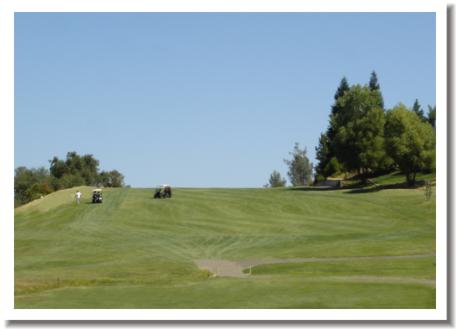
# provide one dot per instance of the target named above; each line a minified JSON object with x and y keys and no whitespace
{"x":75,"y":170}
{"x":365,"y":138}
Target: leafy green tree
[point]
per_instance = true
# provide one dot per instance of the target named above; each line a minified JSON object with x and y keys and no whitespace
{"x":73,"y":169}
{"x":71,"y":180}
{"x":299,"y":167}
{"x":38,"y":190}
{"x":409,"y":141}
{"x":85,"y":166}
{"x":354,"y":139}
{"x":111,"y":178}
{"x":55,"y":183}
{"x":333,"y":167}
{"x":117,"y":179}
{"x":73,"y":162}
{"x":89,"y":169}
{"x":431,"y":115}
{"x":418,"y":110}
{"x":276,"y":180}
{"x":359,"y":139}
{"x":30,"y":184}
{"x":58,"y":167}
{"x":103,"y":179}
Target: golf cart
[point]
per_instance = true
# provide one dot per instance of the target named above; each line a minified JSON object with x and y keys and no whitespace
{"x":97,"y":196}
{"x":162,"y":192}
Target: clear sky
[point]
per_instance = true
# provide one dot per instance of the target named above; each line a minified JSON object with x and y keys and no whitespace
{"x":203,"y":99}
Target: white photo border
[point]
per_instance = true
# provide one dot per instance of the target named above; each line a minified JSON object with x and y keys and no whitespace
{"x":7,"y":11}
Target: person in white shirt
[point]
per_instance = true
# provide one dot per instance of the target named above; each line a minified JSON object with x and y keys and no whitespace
{"x":78,"y":197}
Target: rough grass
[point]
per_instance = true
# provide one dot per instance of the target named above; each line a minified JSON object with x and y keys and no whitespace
{"x":136,"y":252}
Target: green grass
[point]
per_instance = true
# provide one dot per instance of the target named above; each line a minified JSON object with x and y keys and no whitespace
{"x":136,"y":252}
{"x":405,"y":268}
{"x":398,"y":178}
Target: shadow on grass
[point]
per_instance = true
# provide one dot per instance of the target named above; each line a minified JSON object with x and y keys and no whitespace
{"x":359,"y":188}
{"x":317,"y":188}
{"x":376,"y":188}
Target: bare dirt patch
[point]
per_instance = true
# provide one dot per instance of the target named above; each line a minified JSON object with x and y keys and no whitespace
{"x":221,"y":267}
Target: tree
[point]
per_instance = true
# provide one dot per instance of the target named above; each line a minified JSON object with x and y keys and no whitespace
{"x":30,"y":184}
{"x":418,"y":111}
{"x":343,"y":87}
{"x":373,"y":82}
{"x":58,"y":168}
{"x":431,"y":115}
{"x":89,"y":169}
{"x":117,"y":179}
{"x":322,"y":154}
{"x":359,"y":139}
{"x":39,"y":190}
{"x":299,"y":167}
{"x":75,"y":170}
{"x":409,"y":141}
{"x":275,"y":180}
{"x":335,"y":109}
{"x":111,"y":179}
{"x":78,"y":170}
{"x":325,"y":148}
{"x":354,"y":138}
{"x":333,"y":167}
{"x":328,"y":164}
{"x":73,"y":162}
{"x":375,"y":86}
{"x":71,"y":180}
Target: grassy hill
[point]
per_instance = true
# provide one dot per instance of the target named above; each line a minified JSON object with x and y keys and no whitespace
{"x":306,"y":249}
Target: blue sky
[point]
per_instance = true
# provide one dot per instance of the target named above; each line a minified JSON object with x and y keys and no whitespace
{"x":203,"y":99}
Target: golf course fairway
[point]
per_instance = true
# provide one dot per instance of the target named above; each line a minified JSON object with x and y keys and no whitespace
{"x":227,"y":248}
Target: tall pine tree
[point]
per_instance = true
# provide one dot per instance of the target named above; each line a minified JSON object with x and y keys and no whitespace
{"x":418,"y":110}
{"x":336,"y":108}
{"x":373,"y":82}
{"x":431,"y":115}
{"x":375,"y":86}
{"x":327,"y":162}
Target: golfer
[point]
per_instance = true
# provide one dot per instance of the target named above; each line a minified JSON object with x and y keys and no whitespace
{"x":78,"y":197}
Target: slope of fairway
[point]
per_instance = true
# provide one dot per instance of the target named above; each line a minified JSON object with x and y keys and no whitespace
{"x":133,"y":251}
{"x":53,"y":200}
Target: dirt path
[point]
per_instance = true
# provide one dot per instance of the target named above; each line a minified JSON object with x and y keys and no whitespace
{"x":227,"y":268}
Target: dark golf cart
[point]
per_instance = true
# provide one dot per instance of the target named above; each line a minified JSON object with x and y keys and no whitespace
{"x":97,"y":196}
{"x":163,"y":192}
